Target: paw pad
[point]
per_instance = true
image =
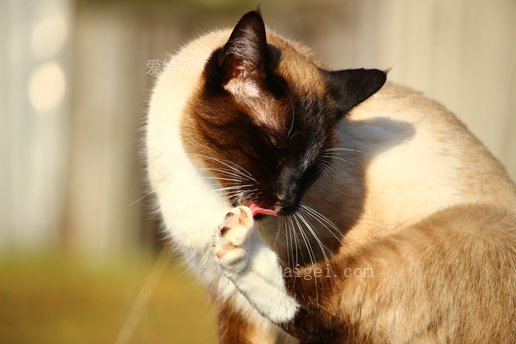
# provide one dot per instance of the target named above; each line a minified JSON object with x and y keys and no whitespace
{"x":231,"y":237}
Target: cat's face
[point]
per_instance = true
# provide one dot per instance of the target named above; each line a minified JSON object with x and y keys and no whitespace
{"x":264,"y":115}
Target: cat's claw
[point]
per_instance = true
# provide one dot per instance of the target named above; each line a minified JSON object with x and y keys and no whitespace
{"x":230,"y":239}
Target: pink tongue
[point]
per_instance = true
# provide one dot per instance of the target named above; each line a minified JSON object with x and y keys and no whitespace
{"x":256,"y":210}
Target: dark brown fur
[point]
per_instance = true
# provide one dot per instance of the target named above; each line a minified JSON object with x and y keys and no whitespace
{"x":232,"y":326}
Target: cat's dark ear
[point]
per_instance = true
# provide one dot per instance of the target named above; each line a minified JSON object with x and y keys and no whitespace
{"x":244,"y":55}
{"x":350,"y":87}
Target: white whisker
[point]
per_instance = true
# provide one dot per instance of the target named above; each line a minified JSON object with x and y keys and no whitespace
{"x":310,"y":254}
{"x":339,"y":149}
{"x":316,"y":237}
{"x":327,"y":167}
{"x":293,"y":248}
{"x":238,"y":187}
{"x":323,"y":220}
{"x":323,"y":247}
{"x":287,"y":239}
{"x":341,"y":159}
{"x":236,"y":168}
{"x":226,"y":172}
{"x":228,"y":179}
{"x":140,"y":199}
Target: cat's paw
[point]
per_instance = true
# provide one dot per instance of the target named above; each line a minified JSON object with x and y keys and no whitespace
{"x":231,"y":237}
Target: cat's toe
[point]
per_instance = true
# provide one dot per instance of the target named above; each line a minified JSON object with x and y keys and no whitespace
{"x":230,"y":256}
{"x":230,"y":238}
{"x":239,"y":216}
{"x":236,"y":226}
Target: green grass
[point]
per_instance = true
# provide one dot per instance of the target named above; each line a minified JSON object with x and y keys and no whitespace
{"x":60,"y":299}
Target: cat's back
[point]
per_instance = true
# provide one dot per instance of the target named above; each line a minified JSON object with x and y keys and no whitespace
{"x":419,"y":158}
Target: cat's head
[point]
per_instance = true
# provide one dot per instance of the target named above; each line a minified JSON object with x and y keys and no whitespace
{"x":264,"y":114}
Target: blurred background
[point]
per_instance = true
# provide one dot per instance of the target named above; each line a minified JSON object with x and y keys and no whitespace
{"x":78,"y":238}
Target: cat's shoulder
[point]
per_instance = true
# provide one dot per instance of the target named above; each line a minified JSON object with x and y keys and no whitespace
{"x":395,"y":100}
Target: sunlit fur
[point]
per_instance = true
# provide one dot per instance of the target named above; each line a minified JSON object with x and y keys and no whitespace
{"x":405,"y":191}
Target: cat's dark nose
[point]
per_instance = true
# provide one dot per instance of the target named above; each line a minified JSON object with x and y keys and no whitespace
{"x":287,"y":188}
{"x":284,"y":200}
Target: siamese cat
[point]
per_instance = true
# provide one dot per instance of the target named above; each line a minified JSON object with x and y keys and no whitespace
{"x":324,"y":206}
